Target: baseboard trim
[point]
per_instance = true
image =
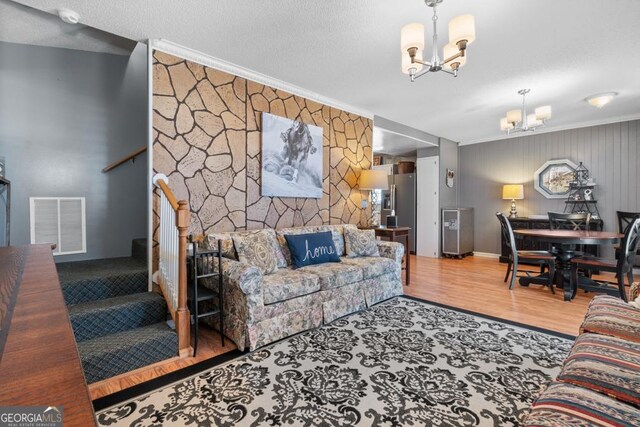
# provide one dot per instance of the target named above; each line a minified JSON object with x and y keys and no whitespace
{"x":486,"y":255}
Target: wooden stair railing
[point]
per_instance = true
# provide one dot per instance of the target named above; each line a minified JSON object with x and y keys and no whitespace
{"x":172,"y":261}
{"x":132,"y":156}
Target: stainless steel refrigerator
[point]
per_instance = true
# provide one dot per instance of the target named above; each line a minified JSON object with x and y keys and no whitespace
{"x":405,"y":203}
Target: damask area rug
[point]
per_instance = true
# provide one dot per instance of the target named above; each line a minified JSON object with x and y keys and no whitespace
{"x":402,"y":362}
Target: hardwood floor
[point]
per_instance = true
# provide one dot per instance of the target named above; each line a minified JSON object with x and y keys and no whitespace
{"x":473,"y":283}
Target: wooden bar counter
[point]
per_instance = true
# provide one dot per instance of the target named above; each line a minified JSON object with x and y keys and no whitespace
{"x":39,"y":362}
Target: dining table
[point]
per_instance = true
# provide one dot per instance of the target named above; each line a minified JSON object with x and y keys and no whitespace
{"x":564,"y":243}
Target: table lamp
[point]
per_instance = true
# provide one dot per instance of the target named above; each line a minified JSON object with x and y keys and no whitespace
{"x":513,"y":192}
{"x":372,"y":180}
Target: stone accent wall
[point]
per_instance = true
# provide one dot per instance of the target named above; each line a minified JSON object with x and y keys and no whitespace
{"x":207,"y":140}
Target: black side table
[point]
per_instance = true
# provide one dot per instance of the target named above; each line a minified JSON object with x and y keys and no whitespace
{"x":202,"y":265}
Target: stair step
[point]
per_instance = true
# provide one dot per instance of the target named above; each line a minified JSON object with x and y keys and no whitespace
{"x":114,"y":354}
{"x":93,"y":280}
{"x":139,"y":249}
{"x":95,"y":319}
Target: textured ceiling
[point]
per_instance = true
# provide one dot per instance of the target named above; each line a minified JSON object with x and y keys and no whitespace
{"x":21,"y":24}
{"x":349,"y":50}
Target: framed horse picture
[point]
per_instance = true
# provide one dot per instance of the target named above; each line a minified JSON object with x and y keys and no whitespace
{"x":291,"y":158}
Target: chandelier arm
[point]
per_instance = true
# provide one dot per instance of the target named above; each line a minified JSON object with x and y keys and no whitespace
{"x":457,"y":55}
{"x":450,"y":72}
{"x":416,"y":60}
{"x":415,"y":76}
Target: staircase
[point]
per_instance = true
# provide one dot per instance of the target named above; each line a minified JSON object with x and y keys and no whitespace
{"x":119,"y":326}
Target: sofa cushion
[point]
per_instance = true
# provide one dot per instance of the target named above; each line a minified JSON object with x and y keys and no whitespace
{"x":229,"y":248}
{"x":605,"y":364}
{"x":372,"y":266}
{"x":258,"y":249}
{"x":311,"y":248}
{"x":334,"y":275}
{"x":609,"y":315}
{"x":286,"y":283}
{"x":567,"y":405}
{"x":360,"y":243}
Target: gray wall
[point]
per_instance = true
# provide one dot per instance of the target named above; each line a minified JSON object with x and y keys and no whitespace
{"x":610,"y":152}
{"x":64,"y":115}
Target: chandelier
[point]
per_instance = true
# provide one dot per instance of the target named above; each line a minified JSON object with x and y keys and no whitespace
{"x":518,"y":120}
{"x":461,"y":33}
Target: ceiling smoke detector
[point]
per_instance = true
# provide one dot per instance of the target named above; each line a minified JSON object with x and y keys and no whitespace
{"x":69,"y":16}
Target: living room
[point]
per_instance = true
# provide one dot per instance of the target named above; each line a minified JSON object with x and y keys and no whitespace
{"x":206,"y":216}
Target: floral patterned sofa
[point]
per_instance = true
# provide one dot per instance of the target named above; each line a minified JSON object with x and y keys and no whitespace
{"x":599,"y":384}
{"x":262,"y":308}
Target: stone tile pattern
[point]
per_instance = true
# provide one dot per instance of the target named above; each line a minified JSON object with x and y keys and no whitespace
{"x":207,"y":140}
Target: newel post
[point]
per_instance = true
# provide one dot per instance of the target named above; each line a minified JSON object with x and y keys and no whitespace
{"x":182,"y":313}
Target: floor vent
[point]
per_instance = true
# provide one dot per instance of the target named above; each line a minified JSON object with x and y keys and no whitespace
{"x":60,"y":221}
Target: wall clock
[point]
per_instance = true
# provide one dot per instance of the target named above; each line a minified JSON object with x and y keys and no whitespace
{"x":553,"y":179}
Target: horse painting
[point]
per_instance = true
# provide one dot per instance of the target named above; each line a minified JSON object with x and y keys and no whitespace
{"x":291,"y":158}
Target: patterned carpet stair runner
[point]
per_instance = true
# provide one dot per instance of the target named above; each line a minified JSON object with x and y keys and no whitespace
{"x":119,"y":326}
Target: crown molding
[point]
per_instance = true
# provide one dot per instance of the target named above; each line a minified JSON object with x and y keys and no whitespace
{"x":189,"y":54}
{"x":556,"y":129}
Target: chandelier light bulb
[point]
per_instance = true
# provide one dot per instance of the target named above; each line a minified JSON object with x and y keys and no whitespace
{"x":532,"y":121}
{"x":505,"y":125}
{"x":412,"y":35}
{"x":407,"y":65}
{"x":462,"y":27}
{"x":514,"y":116}
{"x":449,"y":51}
{"x":543,"y":113}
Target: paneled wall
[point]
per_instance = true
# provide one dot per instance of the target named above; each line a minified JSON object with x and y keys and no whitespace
{"x":207,"y":140}
{"x":610,"y":152}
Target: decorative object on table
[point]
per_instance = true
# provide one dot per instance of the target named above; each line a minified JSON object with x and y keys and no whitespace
{"x":518,"y":121}
{"x":601,"y":99}
{"x":392,"y":221}
{"x":450,"y":177}
{"x":291,"y":158}
{"x":513,"y":192}
{"x":462,"y":32}
{"x":553,"y":179}
{"x":374,"y":180}
{"x":311,"y":248}
{"x":581,"y":197}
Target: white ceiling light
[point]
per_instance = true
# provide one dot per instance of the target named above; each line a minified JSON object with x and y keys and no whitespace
{"x":601,"y":99}
{"x":519,"y":121}
{"x":462,"y":32}
{"x":69,"y":16}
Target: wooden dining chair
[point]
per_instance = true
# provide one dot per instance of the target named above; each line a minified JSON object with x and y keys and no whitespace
{"x":542,"y":258}
{"x":625,"y":219}
{"x":623,"y":267}
{"x":570,"y":221}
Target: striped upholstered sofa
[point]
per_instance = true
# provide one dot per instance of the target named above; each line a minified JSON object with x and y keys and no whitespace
{"x":263,"y":308}
{"x":599,"y":384}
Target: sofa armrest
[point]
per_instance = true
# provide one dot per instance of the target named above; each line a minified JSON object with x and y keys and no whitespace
{"x":392,"y":250}
{"x":242,"y":276}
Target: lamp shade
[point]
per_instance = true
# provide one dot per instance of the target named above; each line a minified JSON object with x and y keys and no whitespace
{"x":462,"y":27}
{"x":513,"y":191}
{"x":532,"y":121}
{"x":449,"y":51}
{"x":407,"y":65}
{"x":543,"y":113}
{"x":372,"y":179}
{"x":505,"y":125}
{"x":412,"y":35}
{"x":514,"y":116}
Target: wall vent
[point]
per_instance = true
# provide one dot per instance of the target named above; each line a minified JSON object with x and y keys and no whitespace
{"x":61,"y":221}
